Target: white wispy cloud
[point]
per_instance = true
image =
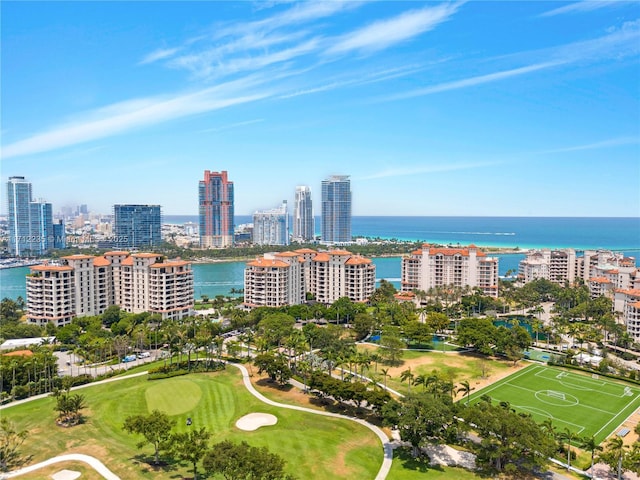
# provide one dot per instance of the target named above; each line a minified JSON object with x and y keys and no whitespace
{"x":420,"y":170}
{"x":473,"y":81}
{"x":583,"y":6}
{"x":385,"y":33}
{"x":125,"y":116}
{"x":362,"y":79}
{"x":623,"y":42}
{"x":159,"y":54}
{"x":610,"y":143}
{"x":232,"y":125}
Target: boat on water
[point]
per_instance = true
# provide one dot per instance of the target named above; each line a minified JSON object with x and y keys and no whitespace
{"x":17,"y":262}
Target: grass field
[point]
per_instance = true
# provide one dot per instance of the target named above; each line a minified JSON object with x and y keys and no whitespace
{"x":586,"y":405}
{"x":314,"y":446}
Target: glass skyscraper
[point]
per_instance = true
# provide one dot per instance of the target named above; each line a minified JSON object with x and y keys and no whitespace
{"x":30,"y":222}
{"x":137,"y":226}
{"x":215,"y":198}
{"x":271,"y":227}
{"x":336,"y":209}
{"x":303,"y":222}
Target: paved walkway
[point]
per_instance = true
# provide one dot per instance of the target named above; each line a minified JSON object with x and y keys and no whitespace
{"x":96,"y":464}
{"x":386,"y":444}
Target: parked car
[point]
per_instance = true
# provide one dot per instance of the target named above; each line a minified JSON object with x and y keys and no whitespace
{"x":144,"y":355}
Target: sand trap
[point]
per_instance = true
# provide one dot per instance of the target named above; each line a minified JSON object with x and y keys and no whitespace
{"x":254,"y":421}
{"x":65,"y":475}
{"x":448,"y":456}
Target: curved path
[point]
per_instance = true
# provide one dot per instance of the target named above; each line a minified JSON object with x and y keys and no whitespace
{"x":388,"y":449}
{"x":109,"y":475}
{"x":96,"y":464}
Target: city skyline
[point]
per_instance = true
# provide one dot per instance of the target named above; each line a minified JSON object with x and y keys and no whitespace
{"x":431,"y":108}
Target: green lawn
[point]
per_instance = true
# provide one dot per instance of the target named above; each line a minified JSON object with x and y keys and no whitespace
{"x":314,"y":446}
{"x":406,"y":468}
{"x":586,"y":405}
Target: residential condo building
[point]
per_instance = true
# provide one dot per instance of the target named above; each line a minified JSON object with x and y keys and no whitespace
{"x":85,"y":285}
{"x":30,"y":221}
{"x":285,"y":278}
{"x":137,"y":226}
{"x":215,"y":194}
{"x":431,"y":267}
{"x":271,"y":227}
{"x":336,"y":210}
{"x":303,"y":221}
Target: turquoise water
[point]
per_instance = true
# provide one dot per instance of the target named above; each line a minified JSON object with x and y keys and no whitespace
{"x":620,"y":234}
{"x":523,"y":232}
{"x":213,"y":279}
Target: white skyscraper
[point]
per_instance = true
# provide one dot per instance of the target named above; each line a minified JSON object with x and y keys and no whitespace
{"x":303,"y":222}
{"x":271,"y":227}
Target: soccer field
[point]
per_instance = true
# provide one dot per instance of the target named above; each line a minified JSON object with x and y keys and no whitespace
{"x":586,"y":405}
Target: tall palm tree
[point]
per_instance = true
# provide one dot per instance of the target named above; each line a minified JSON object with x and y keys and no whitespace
{"x":568,"y":435}
{"x":385,"y":374}
{"x":465,"y":389}
{"x":407,"y":375}
{"x":616,"y":449}
{"x":590,"y":444}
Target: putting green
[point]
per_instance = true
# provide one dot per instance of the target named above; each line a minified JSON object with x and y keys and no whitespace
{"x":182,"y":396}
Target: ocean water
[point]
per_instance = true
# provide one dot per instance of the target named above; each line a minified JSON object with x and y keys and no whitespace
{"x":620,"y":234}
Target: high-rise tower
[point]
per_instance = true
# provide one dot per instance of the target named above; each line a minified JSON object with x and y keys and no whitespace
{"x":137,"y":226}
{"x":303,"y":222}
{"x":215,"y":194}
{"x":30,"y":222}
{"x":271,"y":227}
{"x":336,"y":209}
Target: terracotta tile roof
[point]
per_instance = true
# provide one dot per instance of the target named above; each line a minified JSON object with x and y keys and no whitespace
{"x":264,"y":262}
{"x":321,"y":257}
{"x":101,"y":262}
{"x":117,"y":252}
{"x":127,"y":261}
{"x":357,"y":260}
{"x":145,"y":255}
{"x":417,"y":252}
{"x":454,"y":251}
{"x":636,"y":305}
{"x":600,"y":280}
{"x":175,"y":263}
{"x":78,"y":256}
{"x":51,"y":268}
{"x":305,"y":250}
{"x":633,"y":292}
{"x":287,"y":254}
{"x":339,"y":252}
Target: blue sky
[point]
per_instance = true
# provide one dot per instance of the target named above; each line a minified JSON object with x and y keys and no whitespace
{"x":467,"y":108}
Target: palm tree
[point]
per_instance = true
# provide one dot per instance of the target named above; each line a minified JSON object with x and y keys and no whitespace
{"x":568,"y":435}
{"x":465,"y":389}
{"x":590,"y":444}
{"x":616,"y":450}
{"x":407,"y":375}
{"x":385,"y":374}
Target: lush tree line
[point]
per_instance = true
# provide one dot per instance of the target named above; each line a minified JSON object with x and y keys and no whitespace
{"x":234,"y":461}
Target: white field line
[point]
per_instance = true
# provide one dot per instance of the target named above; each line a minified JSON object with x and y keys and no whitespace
{"x":499,"y":383}
{"x":574,"y":405}
{"x":628,"y":404}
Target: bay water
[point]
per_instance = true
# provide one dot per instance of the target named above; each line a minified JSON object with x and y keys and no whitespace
{"x":618,"y":234}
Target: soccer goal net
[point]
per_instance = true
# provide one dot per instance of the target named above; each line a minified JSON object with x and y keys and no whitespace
{"x":554,"y":394}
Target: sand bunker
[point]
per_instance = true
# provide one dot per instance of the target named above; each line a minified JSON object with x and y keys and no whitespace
{"x":66,"y":475}
{"x":254,"y":421}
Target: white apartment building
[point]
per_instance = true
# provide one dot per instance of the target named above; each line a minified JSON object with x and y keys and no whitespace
{"x":557,"y":266}
{"x":431,"y":267}
{"x":284,"y":278}
{"x":84,"y":285}
{"x":603,"y":270}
